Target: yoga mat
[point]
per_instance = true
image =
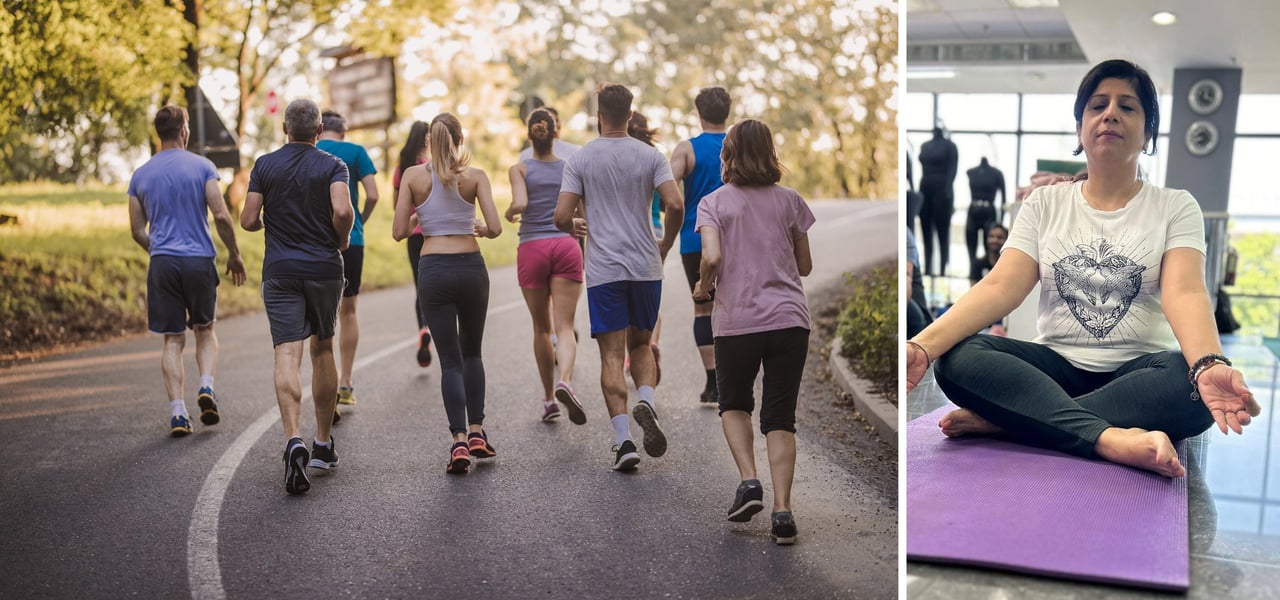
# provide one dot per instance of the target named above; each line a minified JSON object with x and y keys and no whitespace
{"x":986,"y":502}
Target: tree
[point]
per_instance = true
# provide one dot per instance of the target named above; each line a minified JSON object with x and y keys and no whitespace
{"x":256,"y":39}
{"x":80,"y":76}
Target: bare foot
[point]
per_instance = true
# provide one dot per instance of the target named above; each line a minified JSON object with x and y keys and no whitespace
{"x":963,"y":421}
{"x":1142,"y":449}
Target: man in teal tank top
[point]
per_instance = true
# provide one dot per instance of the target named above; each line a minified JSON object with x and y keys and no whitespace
{"x":361,"y":169}
{"x":697,"y":162}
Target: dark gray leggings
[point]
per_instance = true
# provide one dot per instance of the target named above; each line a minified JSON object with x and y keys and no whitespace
{"x":1041,"y":399}
{"x":454,"y":289}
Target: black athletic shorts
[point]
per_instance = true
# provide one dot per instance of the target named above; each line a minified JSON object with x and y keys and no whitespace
{"x":693,"y":272}
{"x":300,"y":308}
{"x":352,"y":269}
{"x":182,"y":292}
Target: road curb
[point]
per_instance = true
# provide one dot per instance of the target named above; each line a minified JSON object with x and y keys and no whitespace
{"x":882,"y":414}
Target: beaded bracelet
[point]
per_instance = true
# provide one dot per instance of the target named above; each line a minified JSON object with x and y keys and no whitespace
{"x":1203,"y":364}
{"x":928,"y":359}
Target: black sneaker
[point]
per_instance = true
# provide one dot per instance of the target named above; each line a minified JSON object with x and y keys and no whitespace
{"x":324,"y":457}
{"x":295,"y":467}
{"x":655,"y":442}
{"x":424,"y":348}
{"x":626,"y":457}
{"x":748,"y":501}
{"x":710,"y":397}
{"x":784,"y":529}
{"x":208,"y":403}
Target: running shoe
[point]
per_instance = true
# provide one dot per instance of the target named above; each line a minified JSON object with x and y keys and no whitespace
{"x":747,"y":501}
{"x":551,"y":412}
{"x":295,"y":467}
{"x":565,"y":395}
{"x":710,"y":397}
{"x":784,"y":529}
{"x":655,"y":442}
{"x":424,"y":348}
{"x":479,"y":445}
{"x":179,"y":426}
{"x":625,"y":457}
{"x":208,"y":403}
{"x":346,"y":395}
{"x":324,"y":457}
{"x":459,"y":459}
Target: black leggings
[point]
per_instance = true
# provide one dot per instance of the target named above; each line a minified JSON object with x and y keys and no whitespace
{"x":976,"y":222}
{"x":935,"y":218}
{"x":1040,"y":399}
{"x":455,"y":306}
{"x":738,"y":359}
{"x":415,"y":253}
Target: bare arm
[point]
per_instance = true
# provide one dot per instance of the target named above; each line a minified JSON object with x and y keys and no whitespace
{"x":1185,"y":303}
{"x":402,"y":224}
{"x":804,"y":260}
{"x":682,"y":160}
{"x":370,"y":184}
{"x":709,"y":268}
{"x":343,"y":215}
{"x":484,"y":197}
{"x":566,"y":207}
{"x":251,"y":214}
{"x":673,"y":217}
{"x":138,"y":223}
{"x":519,"y":192}
{"x":226,"y":230}
{"x":1002,"y":290}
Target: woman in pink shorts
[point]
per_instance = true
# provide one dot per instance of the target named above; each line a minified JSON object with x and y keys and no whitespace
{"x":548,"y":266}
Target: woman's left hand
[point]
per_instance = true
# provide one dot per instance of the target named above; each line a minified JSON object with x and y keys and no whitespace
{"x":1223,"y":391}
{"x":700,"y":294}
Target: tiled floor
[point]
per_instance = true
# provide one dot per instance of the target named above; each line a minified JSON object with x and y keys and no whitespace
{"x":1234,"y":508}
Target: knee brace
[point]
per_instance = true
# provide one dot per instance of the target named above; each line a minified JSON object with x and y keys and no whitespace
{"x":702,"y":331}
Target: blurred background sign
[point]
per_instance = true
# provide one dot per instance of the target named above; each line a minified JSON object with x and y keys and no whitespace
{"x":363,"y":91}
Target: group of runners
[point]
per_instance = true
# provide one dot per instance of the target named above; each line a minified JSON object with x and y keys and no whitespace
{"x":587,"y":215}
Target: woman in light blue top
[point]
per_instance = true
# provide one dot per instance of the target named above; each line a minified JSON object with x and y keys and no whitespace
{"x":444,"y":195}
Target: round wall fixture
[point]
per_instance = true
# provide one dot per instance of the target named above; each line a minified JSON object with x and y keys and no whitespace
{"x":1202,"y":138}
{"x":1205,"y":96}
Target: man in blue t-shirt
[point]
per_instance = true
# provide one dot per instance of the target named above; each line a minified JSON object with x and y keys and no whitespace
{"x":170,"y":198}
{"x":303,"y":193}
{"x":696,"y":161}
{"x":360,"y":167}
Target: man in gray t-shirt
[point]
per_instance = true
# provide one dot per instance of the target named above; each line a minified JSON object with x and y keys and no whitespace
{"x":610,"y":182}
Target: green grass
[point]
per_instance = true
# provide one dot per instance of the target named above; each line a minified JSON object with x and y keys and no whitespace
{"x":70,"y":272}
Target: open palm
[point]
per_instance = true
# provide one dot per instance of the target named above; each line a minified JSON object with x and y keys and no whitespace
{"x":1228,"y":399}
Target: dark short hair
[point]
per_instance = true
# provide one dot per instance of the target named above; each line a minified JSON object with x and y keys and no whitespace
{"x":333,"y":121}
{"x":713,"y":105}
{"x":614,"y":100}
{"x":542,"y":130}
{"x":747,"y":158}
{"x":169,"y":122}
{"x":1135,"y":76}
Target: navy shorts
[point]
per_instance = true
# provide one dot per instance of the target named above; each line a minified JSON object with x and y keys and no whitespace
{"x":693,"y":272}
{"x":621,"y":304}
{"x":300,"y":308}
{"x":352,"y":269}
{"x":182,"y":292}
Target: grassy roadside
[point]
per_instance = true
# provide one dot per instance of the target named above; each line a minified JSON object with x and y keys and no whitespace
{"x":71,"y":273}
{"x":867,"y":327}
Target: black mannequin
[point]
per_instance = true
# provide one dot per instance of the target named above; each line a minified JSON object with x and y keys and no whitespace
{"x":913,"y":197}
{"x":939,"y":160}
{"x":984,"y":182}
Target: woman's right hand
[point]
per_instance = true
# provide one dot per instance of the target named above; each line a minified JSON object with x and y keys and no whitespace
{"x":917,"y":364}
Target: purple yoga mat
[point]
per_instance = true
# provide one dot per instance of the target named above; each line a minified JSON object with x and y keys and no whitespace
{"x":991,"y":503}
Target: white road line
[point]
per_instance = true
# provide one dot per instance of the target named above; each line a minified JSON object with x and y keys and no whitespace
{"x":204,"y":574}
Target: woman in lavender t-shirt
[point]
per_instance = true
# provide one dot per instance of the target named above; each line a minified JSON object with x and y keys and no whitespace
{"x":754,"y":251}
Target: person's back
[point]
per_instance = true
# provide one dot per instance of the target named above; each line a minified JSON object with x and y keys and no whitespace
{"x":617,"y":178}
{"x":542,"y":181}
{"x":300,"y":241}
{"x":703,"y":179}
{"x":171,"y":186}
{"x":359,"y":165}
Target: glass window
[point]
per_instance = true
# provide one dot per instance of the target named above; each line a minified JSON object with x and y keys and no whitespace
{"x":1048,"y":113}
{"x":1037,"y":147}
{"x":978,"y":112}
{"x":1258,"y":114}
{"x":1253,"y":186}
{"x":917,"y":111}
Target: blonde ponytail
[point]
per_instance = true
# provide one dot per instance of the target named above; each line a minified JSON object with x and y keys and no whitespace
{"x":446,"y":159}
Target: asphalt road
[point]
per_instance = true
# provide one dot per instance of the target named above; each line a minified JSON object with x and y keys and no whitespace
{"x":96,"y":500}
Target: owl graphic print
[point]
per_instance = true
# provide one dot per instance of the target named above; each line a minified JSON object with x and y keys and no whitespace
{"x":1099,"y":303}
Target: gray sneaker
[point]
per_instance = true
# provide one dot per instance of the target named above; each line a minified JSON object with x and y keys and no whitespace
{"x":655,"y":442}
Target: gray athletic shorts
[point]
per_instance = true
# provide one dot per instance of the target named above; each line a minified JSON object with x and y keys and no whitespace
{"x":300,"y":308}
{"x":182,"y":292}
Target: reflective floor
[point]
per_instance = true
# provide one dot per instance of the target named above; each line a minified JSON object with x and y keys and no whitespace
{"x":1234,"y":508}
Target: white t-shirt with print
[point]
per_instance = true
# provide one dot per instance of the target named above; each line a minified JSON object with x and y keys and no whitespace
{"x":1100,"y":270}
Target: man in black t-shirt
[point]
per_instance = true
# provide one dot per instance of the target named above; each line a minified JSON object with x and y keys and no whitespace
{"x":303,"y":193}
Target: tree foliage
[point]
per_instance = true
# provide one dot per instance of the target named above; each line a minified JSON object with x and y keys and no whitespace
{"x":82,"y":76}
{"x":1257,"y":274}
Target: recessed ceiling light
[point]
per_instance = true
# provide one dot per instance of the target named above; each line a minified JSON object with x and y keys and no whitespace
{"x":1164,"y":17}
{"x":1033,"y":3}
